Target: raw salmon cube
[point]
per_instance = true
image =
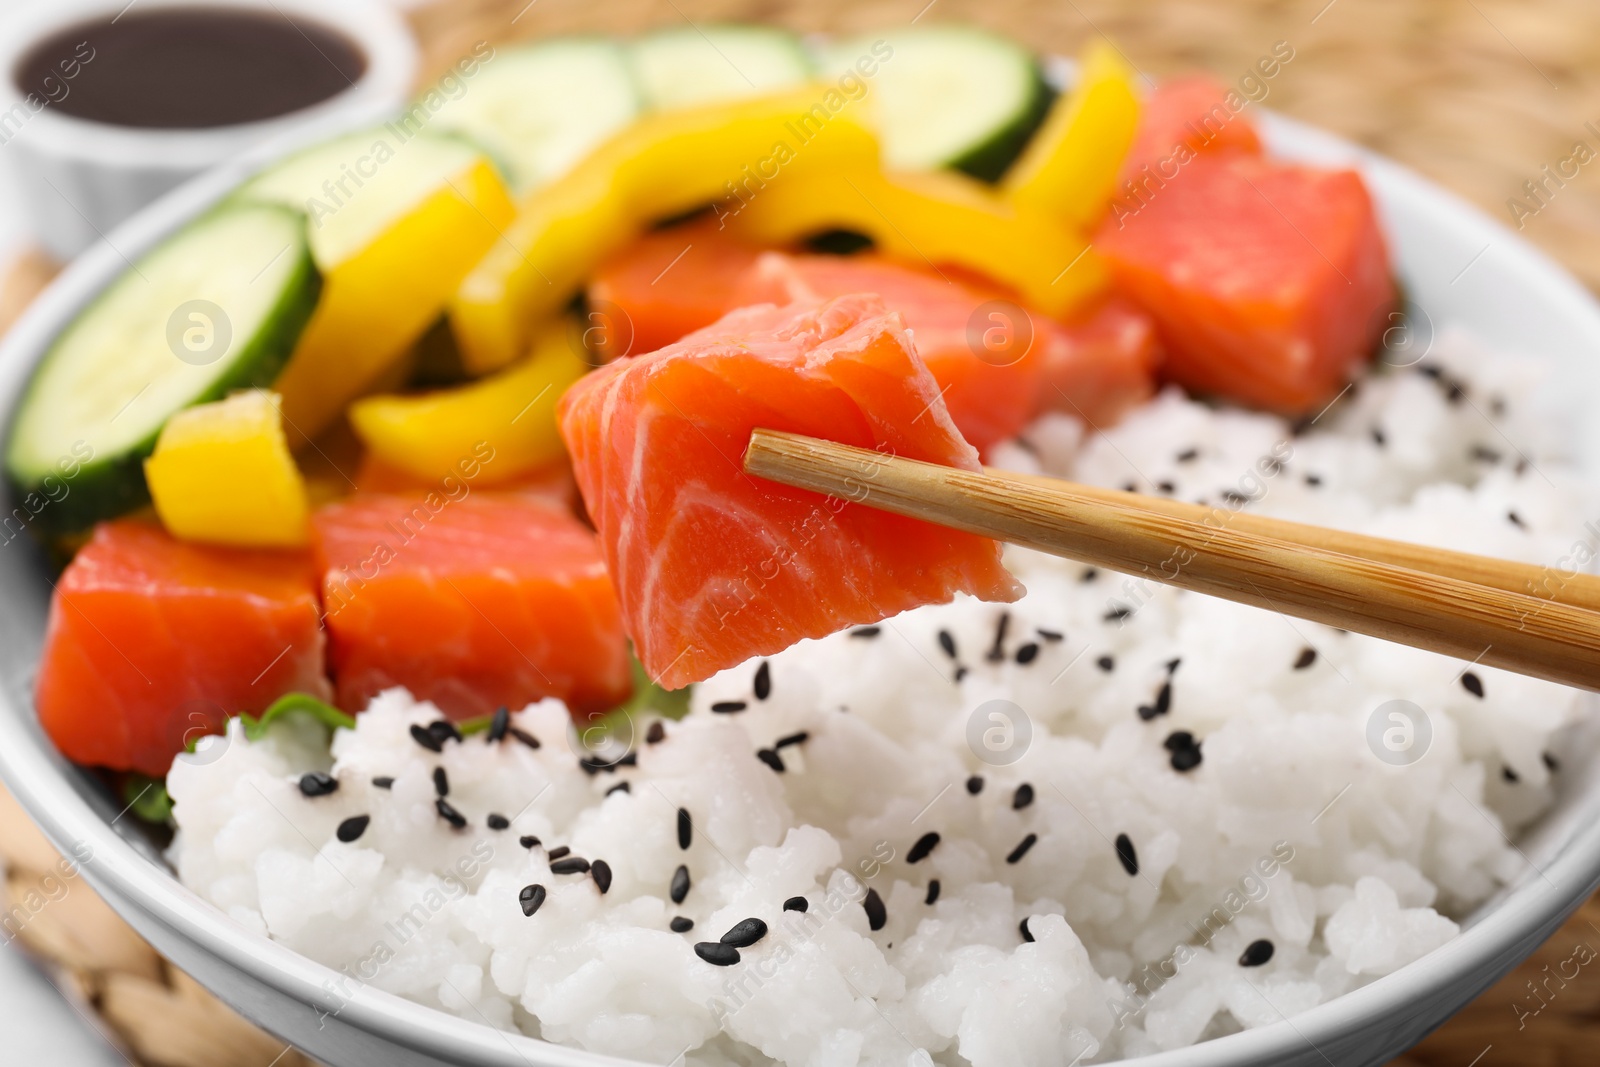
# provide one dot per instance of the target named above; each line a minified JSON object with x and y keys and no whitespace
{"x":978,"y":342}
{"x":470,"y":599}
{"x":1102,"y":363}
{"x":714,"y":566}
{"x":153,"y":642}
{"x":665,"y":285}
{"x":1270,"y":283}
{"x":1183,"y":117}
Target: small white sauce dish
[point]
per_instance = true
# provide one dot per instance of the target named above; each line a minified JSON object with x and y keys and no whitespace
{"x":78,"y":179}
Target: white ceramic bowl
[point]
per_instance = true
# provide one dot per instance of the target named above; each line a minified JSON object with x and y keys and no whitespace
{"x":1460,"y":268}
{"x":80,"y":179}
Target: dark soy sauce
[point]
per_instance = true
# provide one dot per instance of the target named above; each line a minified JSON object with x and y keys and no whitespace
{"x":189,"y":67}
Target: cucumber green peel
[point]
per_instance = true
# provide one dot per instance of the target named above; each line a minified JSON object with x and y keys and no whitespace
{"x":216,"y":307}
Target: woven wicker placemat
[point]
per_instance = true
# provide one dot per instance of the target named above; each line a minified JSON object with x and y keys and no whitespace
{"x":1479,"y":95}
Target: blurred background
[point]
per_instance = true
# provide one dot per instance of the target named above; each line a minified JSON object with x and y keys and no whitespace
{"x":1496,"y":100}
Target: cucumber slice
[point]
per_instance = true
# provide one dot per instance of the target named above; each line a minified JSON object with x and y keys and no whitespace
{"x":947,"y":96}
{"x":540,"y":108}
{"x":680,"y":67}
{"x":354,"y":187}
{"x":216,"y":307}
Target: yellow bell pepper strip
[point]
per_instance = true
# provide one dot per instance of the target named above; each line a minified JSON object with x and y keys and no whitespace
{"x":1069,"y":168}
{"x":394,"y":226}
{"x":513,"y":412}
{"x":222,"y":473}
{"x":378,"y":302}
{"x":934,"y":218}
{"x":662,"y":165}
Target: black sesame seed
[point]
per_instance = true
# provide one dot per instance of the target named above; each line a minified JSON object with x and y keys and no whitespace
{"x":1027,"y":935}
{"x":961,"y":672}
{"x":745,"y":933}
{"x":1118,"y":613}
{"x":528,"y":841}
{"x":716,"y":953}
{"x":1186,"y":759}
{"x":924,"y":845}
{"x":1022,"y":797}
{"x":933,"y":892}
{"x":679,"y":887}
{"x":1483,"y":454}
{"x":1050,"y":635}
{"x":1106,"y":663}
{"x":620,"y":787}
{"x":681,"y":924}
{"x":655,"y":734}
{"x":728,"y":707}
{"x":1016,"y":854}
{"x":1178,"y":740}
{"x":997,"y":651}
{"x":1188,"y":455}
{"x":499,"y":723}
{"x":1430,"y":370}
{"x":1306,"y":658}
{"x":1173,"y":665}
{"x":685,"y":828}
{"x":800,"y":904}
{"x":532,"y":898}
{"x":524,"y":736}
{"x":1256,"y":953}
{"x":1167,"y":487}
{"x":1028,"y":653}
{"x":1516,"y":520}
{"x":1511,"y":777}
{"x":771,"y":758}
{"x":421,"y":736}
{"x":1126,"y":853}
{"x":866,"y":631}
{"x":763,"y":682}
{"x":498,"y":822}
{"x":1378,"y":437}
{"x":559,"y":851}
{"x":792,"y":739}
{"x":600,"y":871}
{"x":444,"y":730}
{"x":1313,"y":480}
{"x":1162,"y":705}
{"x":441,"y":782}
{"x":1472,"y":684}
{"x":877,"y":914}
{"x":450,"y":814}
{"x":1234,"y":498}
{"x":975,"y":784}
{"x":1130,"y":486}
{"x":570,"y":865}
{"x":1454,"y":392}
{"x":352,"y":828}
{"x":384,"y":782}
{"x":1089,"y":574}
{"x":1550,"y":763}
{"x":948,"y":643}
{"x":317,"y":784}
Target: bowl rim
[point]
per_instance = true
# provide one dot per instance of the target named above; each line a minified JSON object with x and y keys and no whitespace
{"x":41,"y":780}
{"x":376,"y":28}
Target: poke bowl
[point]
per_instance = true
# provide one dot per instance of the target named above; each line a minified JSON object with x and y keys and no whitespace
{"x":1107,"y":820}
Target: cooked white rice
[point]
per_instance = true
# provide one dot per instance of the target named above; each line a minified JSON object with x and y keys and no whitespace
{"x":1290,"y":831}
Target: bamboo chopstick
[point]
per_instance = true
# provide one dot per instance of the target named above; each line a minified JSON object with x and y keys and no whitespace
{"x":1467,"y":619}
{"x":1545,"y":583}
